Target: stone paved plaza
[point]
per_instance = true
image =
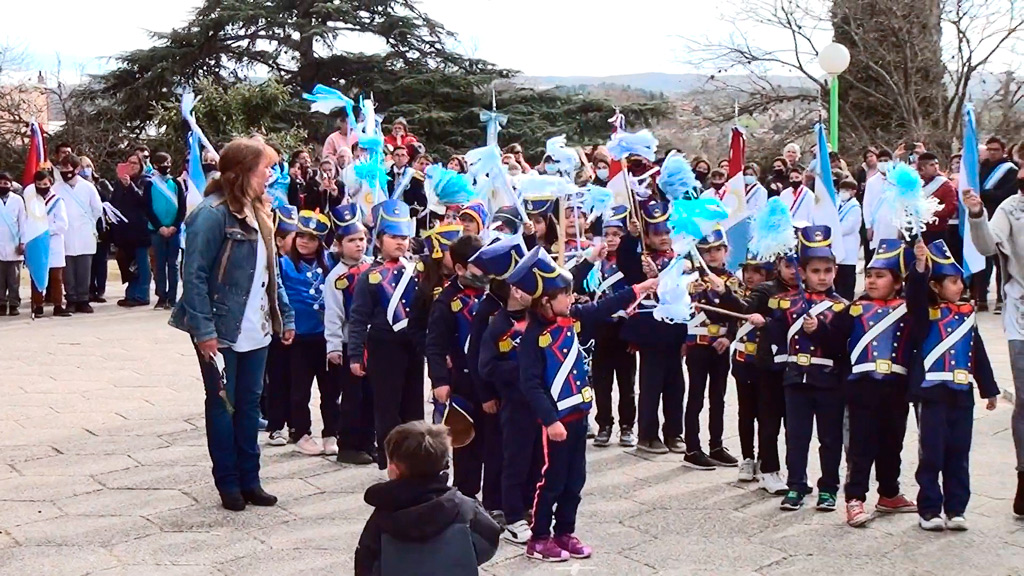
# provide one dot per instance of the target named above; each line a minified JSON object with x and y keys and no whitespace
{"x":104,"y":470}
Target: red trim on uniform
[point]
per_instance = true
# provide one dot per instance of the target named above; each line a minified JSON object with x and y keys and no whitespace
{"x":540,"y":483}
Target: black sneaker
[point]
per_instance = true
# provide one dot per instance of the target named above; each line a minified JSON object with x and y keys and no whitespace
{"x":653,"y":446}
{"x":13,"y":311}
{"x":61,"y":312}
{"x":37,"y":312}
{"x":97,"y":299}
{"x":357,"y":457}
{"x":627,"y":439}
{"x":826,"y":502}
{"x":83,"y":308}
{"x":698,"y":460}
{"x":676,"y":445}
{"x":160,"y":304}
{"x":721,"y":457}
{"x":794,"y":500}
{"x":259,"y":497}
{"x":604,"y":436}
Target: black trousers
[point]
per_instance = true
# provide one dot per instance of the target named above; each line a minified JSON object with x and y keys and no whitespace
{"x":523,"y":457}
{"x":846,"y":280}
{"x":561,"y":487}
{"x":308,"y":355}
{"x":748,"y":399}
{"x":807,"y":407}
{"x":661,"y":381}
{"x":946,"y":431}
{"x":480,"y":462}
{"x":955,"y":241}
{"x":708,"y":371}
{"x":771,"y":411}
{"x":614,"y":361}
{"x":877,"y":413}
{"x":394,"y":368}
{"x":98,"y":278}
{"x":277,"y":388}
{"x":355,"y":410}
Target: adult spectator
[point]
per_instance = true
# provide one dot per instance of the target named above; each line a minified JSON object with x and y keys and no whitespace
{"x":791,"y":152}
{"x":516,"y":150}
{"x":338,"y":140}
{"x":867,"y":169}
{"x":84,"y":207}
{"x":778,"y":179}
{"x":325,"y":191}
{"x":939,"y":187}
{"x":131,"y":238}
{"x":143,"y":152}
{"x":343,"y":158}
{"x":164,"y":198}
{"x":98,"y":274}
{"x":877,"y":219}
{"x":400,"y":159}
{"x":602,"y":169}
{"x":63,"y":149}
{"x":231,"y":304}
{"x":701,"y":169}
{"x":399,"y":134}
{"x":998,"y":182}
{"x":1003,"y":238}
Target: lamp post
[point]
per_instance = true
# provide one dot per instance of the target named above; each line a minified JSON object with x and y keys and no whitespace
{"x":834,"y":59}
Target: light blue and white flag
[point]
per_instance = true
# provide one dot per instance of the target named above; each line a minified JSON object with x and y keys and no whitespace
{"x":970,"y":178}
{"x":826,"y":201}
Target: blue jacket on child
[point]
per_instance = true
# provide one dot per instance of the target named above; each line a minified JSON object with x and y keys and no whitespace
{"x":304,"y":283}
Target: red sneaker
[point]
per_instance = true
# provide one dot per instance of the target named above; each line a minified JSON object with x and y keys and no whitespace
{"x":855,"y":514}
{"x":573,"y":546}
{"x":897,"y":505}
{"x":546,"y":550}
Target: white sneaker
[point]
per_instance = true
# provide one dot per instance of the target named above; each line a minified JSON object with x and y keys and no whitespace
{"x":773,"y":484}
{"x":309,"y":446}
{"x":933,"y":525}
{"x":331,"y":446}
{"x":518,"y":533}
{"x":277,"y":438}
{"x":957,"y":523}
{"x":747,"y":470}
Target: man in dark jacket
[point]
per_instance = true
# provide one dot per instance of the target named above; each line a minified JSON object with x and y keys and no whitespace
{"x":420,"y":525}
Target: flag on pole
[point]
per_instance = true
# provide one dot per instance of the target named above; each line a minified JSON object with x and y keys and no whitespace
{"x":970,"y":178}
{"x":826,"y":200}
{"x":737,"y":226}
{"x":36,"y":153}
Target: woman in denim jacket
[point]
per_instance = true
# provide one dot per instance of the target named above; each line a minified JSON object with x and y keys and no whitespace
{"x":232,"y":302}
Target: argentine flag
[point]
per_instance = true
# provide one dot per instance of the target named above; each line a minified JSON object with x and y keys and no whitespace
{"x":970,"y":178}
{"x":826,"y":201}
{"x":37,"y":240}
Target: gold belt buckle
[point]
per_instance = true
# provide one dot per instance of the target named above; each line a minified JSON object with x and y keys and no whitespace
{"x":750,"y":347}
{"x":961,"y":376}
{"x":803,"y":359}
{"x":714,"y":329}
{"x":883,"y":366}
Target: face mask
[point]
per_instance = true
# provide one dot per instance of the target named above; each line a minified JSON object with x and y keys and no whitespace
{"x":67,"y":176}
{"x":749,"y":180}
{"x":551,"y":168}
{"x":85,"y":173}
{"x":796,"y":183}
{"x":701,"y":174}
{"x":717,"y":185}
{"x":42,"y":190}
{"x":163,"y":170}
{"x":883,"y":166}
{"x":4,"y":189}
{"x":207,"y":168}
{"x":602,"y":173}
{"x":844,"y":196}
{"x":474,"y":280}
{"x":778,"y":172}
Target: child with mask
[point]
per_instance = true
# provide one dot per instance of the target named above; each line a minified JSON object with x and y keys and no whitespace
{"x":164,"y":198}
{"x":798,"y":198}
{"x":12,"y":246}
{"x":849,"y":224}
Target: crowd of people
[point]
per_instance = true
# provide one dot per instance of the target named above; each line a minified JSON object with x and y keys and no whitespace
{"x":523,"y":319}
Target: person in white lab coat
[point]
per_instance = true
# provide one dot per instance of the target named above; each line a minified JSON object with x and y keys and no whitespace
{"x":849,"y":224}
{"x":757,"y":195}
{"x":798,"y":198}
{"x":12,"y":246}
{"x":877,"y":218}
{"x":40,"y":196}
{"x":84,"y":207}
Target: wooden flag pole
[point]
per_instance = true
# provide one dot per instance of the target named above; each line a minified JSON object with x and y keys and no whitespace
{"x":634,"y":204}
{"x":722,"y":311}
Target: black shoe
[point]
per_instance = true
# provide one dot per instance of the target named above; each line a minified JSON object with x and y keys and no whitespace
{"x":60,"y":312}
{"x":653,"y":446}
{"x":160,"y":304}
{"x":259,"y":497}
{"x":13,"y":311}
{"x":604,"y":436}
{"x":676,"y":445}
{"x":128,"y":303}
{"x":97,"y":299}
{"x":37,"y":312}
{"x":721,"y":457}
{"x":83,"y":308}
{"x":698,"y":460}
{"x":627,"y":439}
{"x":357,"y":457}
{"x":169,"y":305}
{"x":1018,"y":500}
{"x":794,"y":500}
{"x":232,"y":501}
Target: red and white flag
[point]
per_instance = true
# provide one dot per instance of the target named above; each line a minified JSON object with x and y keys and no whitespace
{"x":735,"y":198}
{"x":36,"y":157}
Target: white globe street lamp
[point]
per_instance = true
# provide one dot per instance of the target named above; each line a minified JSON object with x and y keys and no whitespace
{"x":834,"y":60}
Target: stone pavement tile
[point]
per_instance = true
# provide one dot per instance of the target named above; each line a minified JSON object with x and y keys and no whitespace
{"x":157,"y":570}
{"x":287,"y":462}
{"x":62,"y":386}
{"x":346,"y":479}
{"x":45,"y":489}
{"x":54,"y":401}
{"x":601,"y":511}
{"x":103,"y":531}
{"x":24,"y":453}
{"x":75,"y":465}
{"x":57,"y":421}
{"x":612,"y":538}
{"x":173,"y":455}
{"x":191,"y":437}
{"x":599,"y":565}
{"x":124,"y":502}
{"x":6,"y":471}
{"x":160,"y":477}
{"x":188,"y":548}
{"x":151,"y":428}
{"x":683,"y":496}
{"x":286,"y":562}
{"x":205,"y":494}
{"x":113,"y":405}
{"x":829,"y":561}
{"x":200,"y":518}
{"x":45,"y":560}
{"x":15,"y":413}
{"x":110,"y":445}
{"x":6,"y":541}
{"x":697,"y":524}
{"x":713,"y":554}
{"x":16,"y":435}
{"x":329,"y":506}
{"x":149,"y":394}
{"x":806,"y":539}
{"x":162,"y":412}
{"x":18,"y":513}
{"x":310,"y":534}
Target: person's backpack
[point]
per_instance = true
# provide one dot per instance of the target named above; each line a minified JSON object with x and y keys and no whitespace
{"x":450,"y":553}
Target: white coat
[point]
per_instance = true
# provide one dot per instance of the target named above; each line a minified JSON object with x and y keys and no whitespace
{"x":12,"y":227}
{"x":83,"y":205}
{"x":57,"y":216}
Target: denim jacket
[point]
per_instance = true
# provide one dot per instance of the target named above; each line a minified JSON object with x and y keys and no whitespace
{"x":217,"y":273}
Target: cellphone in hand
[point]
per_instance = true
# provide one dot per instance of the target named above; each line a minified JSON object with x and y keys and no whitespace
{"x":124,"y":169}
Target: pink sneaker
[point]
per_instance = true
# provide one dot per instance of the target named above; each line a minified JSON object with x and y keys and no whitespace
{"x":573,"y":546}
{"x":545,"y":549}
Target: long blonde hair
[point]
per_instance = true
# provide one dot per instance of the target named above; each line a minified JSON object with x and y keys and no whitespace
{"x":238,"y":161}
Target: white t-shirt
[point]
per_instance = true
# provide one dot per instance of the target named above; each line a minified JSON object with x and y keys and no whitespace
{"x":255,"y":332}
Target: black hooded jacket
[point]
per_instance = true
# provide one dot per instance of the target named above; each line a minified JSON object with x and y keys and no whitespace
{"x":418,"y":510}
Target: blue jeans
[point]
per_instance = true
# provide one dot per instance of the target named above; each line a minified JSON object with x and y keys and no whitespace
{"x":165,"y":254}
{"x":138,"y":289}
{"x":232,"y":438}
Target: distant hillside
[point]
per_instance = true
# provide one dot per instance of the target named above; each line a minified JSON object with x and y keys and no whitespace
{"x":652,"y":81}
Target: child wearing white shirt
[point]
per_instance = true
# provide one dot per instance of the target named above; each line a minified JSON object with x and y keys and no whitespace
{"x":12,"y":246}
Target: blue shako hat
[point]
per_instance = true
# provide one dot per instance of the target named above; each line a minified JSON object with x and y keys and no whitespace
{"x":615,"y":217}
{"x":392,"y":217}
{"x":500,"y":257}
{"x":537,"y":273}
{"x":753,"y":260}
{"x":892,"y":254}
{"x":943,"y":263}
{"x":310,"y":222}
{"x":345,"y":218}
{"x":539,"y":207}
{"x":286,"y":218}
{"x":814,"y":242}
{"x":715,"y":238}
{"x":439,"y":239}
{"x":656,"y":216}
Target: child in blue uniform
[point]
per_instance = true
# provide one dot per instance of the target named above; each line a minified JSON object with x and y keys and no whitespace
{"x":278,"y":382}
{"x":302,"y":273}
{"x":356,"y":444}
{"x":878,"y":332}
{"x":387,"y":325}
{"x":553,"y":376}
{"x":950,"y":360}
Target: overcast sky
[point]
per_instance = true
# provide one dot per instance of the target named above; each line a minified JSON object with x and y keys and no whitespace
{"x":538,"y":37}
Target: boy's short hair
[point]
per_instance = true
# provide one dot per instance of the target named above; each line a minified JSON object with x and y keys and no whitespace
{"x":72,"y":161}
{"x":161,"y":157}
{"x":6,"y":176}
{"x":418,"y":449}
{"x":41,"y":175}
{"x":465,"y":247}
{"x":848,"y":184}
{"x":804,"y":262}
